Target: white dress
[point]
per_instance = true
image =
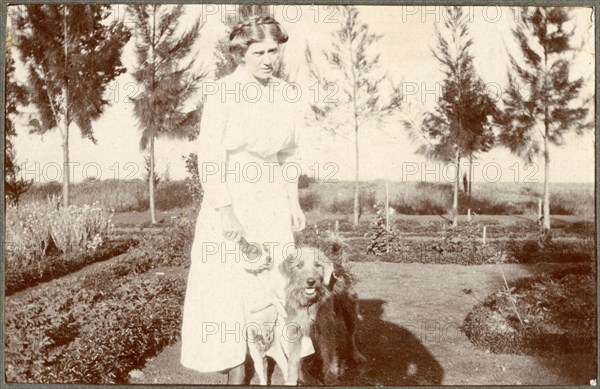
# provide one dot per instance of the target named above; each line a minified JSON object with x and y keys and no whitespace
{"x":246,"y":129}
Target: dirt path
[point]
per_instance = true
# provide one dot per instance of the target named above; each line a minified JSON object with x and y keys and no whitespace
{"x":410,"y":334}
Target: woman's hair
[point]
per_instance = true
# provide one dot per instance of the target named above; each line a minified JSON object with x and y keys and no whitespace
{"x":252,"y":30}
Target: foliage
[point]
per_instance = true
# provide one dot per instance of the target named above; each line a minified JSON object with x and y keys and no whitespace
{"x":192,"y":180}
{"x":19,"y":275}
{"x":304,"y":181}
{"x":32,"y":228}
{"x":166,"y":85}
{"x":309,"y":201}
{"x":343,"y":203}
{"x":382,"y":239}
{"x":459,"y":126}
{"x":68,"y":74}
{"x":72,"y":334}
{"x":15,"y":94}
{"x":95,"y":329}
{"x":355,"y":79}
{"x":553,"y":106}
{"x":558,"y":315}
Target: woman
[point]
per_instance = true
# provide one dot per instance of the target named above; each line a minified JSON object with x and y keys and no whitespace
{"x":247,"y":139}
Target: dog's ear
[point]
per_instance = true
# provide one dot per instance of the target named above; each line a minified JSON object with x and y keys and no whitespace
{"x":286,"y":266}
{"x":335,"y":245}
{"x":328,"y":270}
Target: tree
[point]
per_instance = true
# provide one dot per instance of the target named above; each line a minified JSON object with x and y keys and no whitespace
{"x":15,"y":94}
{"x":354,"y":84}
{"x":165,"y":85}
{"x":69,"y":73}
{"x":553,"y":108}
{"x":460,"y":124}
{"x":148,"y":168}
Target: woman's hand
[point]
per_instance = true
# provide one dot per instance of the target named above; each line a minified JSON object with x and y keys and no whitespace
{"x":298,"y":218}
{"x":232,"y":229}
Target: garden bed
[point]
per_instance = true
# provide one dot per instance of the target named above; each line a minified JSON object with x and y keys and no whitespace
{"x":95,"y":328}
{"x":552,"y":313}
{"x":20,"y":275}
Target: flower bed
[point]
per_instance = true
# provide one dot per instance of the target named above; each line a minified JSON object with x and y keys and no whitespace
{"x":19,"y":275}
{"x":73,"y":334}
{"x":34,"y":228}
{"x":556,"y":313}
{"x":95,"y":329}
{"x":462,"y":245}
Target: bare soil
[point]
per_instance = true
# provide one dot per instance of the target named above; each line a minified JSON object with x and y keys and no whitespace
{"x":410,"y":334}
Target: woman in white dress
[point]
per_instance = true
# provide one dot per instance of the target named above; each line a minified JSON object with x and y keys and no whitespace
{"x":247,"y":146}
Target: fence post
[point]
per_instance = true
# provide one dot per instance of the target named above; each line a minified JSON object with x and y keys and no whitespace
{"x":484,"y":231}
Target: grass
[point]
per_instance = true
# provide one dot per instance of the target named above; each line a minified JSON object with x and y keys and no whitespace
{"x":408,"y":198}
{"x":122,"y":196}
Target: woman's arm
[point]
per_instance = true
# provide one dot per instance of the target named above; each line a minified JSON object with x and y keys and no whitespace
{"x":211,"y":165}
{"x":291,"y":184}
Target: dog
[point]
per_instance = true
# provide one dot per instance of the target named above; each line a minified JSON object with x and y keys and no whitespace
{"x":262,"y":310}
{"x":318,"y":291}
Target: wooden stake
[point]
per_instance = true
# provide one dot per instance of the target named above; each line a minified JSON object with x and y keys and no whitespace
{"x":387,"y":205}
{"x":469,"y":215}
{"x":484,"y":231}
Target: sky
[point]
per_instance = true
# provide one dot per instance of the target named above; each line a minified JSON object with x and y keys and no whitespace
{"x":407,"y":36}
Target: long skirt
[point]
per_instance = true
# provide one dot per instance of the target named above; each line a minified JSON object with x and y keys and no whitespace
{"x":213,"y":328}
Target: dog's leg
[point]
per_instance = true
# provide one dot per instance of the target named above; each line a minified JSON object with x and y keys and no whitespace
{"x":258,"y":357}
{"x":325,"y":333}
{"x":349,"y":309}
{"x":294,"y":341}
{"x":276,"y":352}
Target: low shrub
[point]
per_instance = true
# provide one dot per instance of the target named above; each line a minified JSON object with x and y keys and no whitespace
{"x":382,"y":239}
{"x":366,"y":199}
{"x":304,"y":181}
{"x":192,"y":180}
{"x":72,"y":334}
{"x":556,"y":313}
{"x":32,"y":228}
{"x":171,"y":195}
{"x":95,"y":329}
{"x":309,"y":201}
{"x":465,"y":247}
{"x":20,"y":275}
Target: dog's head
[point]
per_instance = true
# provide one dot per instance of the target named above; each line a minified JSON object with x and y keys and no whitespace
{"x":308,"y":272}
{"x":256,"y":257}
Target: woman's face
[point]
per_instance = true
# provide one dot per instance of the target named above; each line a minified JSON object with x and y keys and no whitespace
{"x":260,"y":58}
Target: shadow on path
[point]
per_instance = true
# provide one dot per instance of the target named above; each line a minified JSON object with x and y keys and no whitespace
{"x":394,"y":355}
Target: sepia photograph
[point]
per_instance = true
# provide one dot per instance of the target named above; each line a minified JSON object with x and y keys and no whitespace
{"x":299,"y":194}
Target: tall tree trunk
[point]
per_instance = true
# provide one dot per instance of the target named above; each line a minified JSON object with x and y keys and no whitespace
{"x":456,"y":185}
{"x":151,"y":175}
{"x":356,"y":195}
{"x":66,"y":170}
{"x":151,"y":181}
{"x":470,"y":176}
{"x":546,"y":224}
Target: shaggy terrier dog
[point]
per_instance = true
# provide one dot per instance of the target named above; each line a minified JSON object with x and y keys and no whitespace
{"x":318,"y":295}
